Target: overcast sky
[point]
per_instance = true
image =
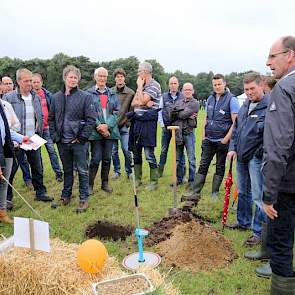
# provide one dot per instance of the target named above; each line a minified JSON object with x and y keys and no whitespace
{"x":188,"y":35}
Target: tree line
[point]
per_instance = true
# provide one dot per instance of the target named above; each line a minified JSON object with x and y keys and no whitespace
{"x":51,"y":71}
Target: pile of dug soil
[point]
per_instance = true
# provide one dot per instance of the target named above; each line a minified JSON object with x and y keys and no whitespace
{"x":107,"y":230}
{"x":187,"y":242}
{"x":162,"y":230}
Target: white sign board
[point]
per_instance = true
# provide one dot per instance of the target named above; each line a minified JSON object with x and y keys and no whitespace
{"x":37,"y":233}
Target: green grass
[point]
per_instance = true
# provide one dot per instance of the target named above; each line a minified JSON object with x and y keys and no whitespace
{"x":238,"y":278}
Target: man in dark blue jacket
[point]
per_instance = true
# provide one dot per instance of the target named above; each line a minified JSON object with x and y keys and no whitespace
{"x":71,"y":121}
{"x":222,"y":109}
{"x":247,"y":146}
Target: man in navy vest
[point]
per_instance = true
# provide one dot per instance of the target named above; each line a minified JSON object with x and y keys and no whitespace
{"x":221,"y":108}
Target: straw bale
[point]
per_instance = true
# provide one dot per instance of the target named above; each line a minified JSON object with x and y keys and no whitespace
{"x":57,"y":272}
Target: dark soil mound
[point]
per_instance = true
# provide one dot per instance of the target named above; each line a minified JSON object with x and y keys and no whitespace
{"x":162,"y":230}
{"x":107,"y":230}
{"x":187,"y":242}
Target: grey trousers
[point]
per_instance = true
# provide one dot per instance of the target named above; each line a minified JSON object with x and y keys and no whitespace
{"x":3,"y":184}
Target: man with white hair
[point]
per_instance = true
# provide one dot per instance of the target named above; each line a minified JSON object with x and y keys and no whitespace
{"x":144,"y":123}
{"x":106,"y":132}
{"x":71,"y":120}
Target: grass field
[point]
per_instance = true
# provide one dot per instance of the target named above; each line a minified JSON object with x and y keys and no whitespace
{"x":238,"y":278}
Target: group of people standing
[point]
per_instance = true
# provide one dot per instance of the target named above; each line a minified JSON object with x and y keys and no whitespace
{"x":260,"y":135}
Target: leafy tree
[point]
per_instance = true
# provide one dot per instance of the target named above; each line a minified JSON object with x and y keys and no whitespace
{"x":51,"y":71}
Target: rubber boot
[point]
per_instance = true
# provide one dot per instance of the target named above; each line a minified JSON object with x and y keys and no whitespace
{"x":196,"y":188}
{"x":92,"y":174}
{"x":153,"y":179}
{"x":4,"y":217}
{"x":217,"y":181}
{"x":264,"y":271}
{"x":160,"y":171}
{"x":282,"y":285}
{"x":262,"y":253}
{"x":138,"y":174}
{"x":105,"y":170}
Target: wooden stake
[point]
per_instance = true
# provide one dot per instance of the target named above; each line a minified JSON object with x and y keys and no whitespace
{"x":32,"y":238}
{"x":174,"y":178}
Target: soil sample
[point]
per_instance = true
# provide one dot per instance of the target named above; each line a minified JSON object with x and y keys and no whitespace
{"x":124,"y":286}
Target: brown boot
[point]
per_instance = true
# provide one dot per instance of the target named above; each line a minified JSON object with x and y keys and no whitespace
{"x":83,"y":206}
{"x":4,"y":217}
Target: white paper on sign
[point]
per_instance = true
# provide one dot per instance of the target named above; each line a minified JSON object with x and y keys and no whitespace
{"x":22,"y":234}
{"x":41,"y":231}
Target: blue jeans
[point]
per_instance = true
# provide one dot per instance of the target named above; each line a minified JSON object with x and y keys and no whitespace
{"x":165,"y":141}
{"x":124,"y":133}
{"x":280,"y":235}
{"x":78,"y":153}
{"x":149,"y":155}
{"x":250,"y":183}
{"x":35,"y":162}
{"x":3,"y":184}
{"x":189,"y":144}
{"x":51,"y":152}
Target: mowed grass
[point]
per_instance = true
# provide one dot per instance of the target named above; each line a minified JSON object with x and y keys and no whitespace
{"x":238,"y":278}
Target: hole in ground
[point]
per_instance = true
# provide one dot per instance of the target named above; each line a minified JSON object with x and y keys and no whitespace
{"x":108,"y":231}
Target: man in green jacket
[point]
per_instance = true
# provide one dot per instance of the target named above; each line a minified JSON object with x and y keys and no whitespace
{"x":106,"y":129}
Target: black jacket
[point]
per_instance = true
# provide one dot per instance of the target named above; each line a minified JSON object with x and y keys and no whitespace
{"x":278,"y":165}
{"x":143,"y":129}
{"x":80,"y":113}
{"x":6,"y":151}
{"x":247,"y":137}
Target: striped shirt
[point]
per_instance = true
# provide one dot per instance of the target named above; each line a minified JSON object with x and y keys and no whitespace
{"x":30,"y":116}
{"x":153,"y":89}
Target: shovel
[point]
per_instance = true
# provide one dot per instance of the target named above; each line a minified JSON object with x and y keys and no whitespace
{"x":173,"y":210}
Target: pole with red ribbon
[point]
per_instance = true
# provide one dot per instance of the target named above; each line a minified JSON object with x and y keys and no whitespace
{"x":227,"y":186}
